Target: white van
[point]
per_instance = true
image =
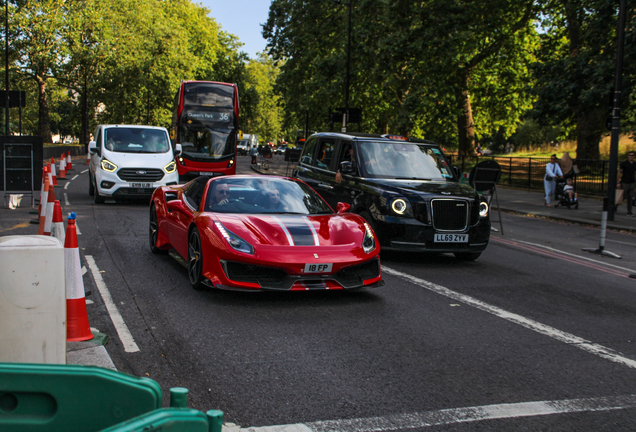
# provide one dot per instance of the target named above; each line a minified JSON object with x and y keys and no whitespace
{"x":129,"y":161}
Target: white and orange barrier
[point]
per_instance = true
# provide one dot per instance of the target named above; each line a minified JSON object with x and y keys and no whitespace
{"x":77,"y":327}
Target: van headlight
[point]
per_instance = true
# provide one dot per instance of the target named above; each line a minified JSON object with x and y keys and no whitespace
{"x":483,"y":209}
{"x":171,"y":167}
{"x":368,"y":243}
{"x":108,"y":165}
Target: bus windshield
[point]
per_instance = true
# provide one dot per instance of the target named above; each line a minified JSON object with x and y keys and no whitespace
{"x":207,"y":123}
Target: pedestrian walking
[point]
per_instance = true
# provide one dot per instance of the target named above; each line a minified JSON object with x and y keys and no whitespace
{"x":552,"y":172}
{"x":628,"y":183}
{"x":254,"y":154}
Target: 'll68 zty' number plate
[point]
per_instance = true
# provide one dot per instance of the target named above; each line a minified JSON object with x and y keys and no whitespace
{"x":318,"y":268}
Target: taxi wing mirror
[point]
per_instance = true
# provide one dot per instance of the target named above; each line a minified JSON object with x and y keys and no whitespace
{"x":346,"y":167}
{"x":343,"y":207}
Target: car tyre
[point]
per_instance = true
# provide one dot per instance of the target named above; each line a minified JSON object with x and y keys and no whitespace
{"x":467,"y":256}
{"x":97,"y":198}
{"x":195,"y":261}
{"x":153,"y":232}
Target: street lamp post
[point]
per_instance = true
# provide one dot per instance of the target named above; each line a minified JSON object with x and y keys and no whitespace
{"x":6,"y":70}
{"x":345,"y":114}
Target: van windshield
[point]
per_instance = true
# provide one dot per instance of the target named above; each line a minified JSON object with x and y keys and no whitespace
{"x":136,"y":140}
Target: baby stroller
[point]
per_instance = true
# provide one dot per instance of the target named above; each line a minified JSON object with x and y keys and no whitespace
{"x":563,"y":199}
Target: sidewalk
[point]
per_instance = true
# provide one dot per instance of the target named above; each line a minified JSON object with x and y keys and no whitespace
{"x":522,"y":201}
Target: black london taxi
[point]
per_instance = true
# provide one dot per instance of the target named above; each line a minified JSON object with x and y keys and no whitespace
{"x":404,"y":188}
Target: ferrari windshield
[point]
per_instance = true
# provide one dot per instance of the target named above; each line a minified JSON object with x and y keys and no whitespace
{"x":263,"y":194}
{"x":136,"y":140}
{"x":404,"y":161}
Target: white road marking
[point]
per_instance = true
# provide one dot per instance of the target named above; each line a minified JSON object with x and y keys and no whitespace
{"x":561,"y":336}
{"x":122,"y":330}
{"x":86,"y":170}
{"x":605,"y":263}
{"x":84,"y":270}
{"x":77,"y":228}
{"x":66,"y":200}
{"x":454,"y":416}
{"x":74,"y":177}
{"x":66,"y":185}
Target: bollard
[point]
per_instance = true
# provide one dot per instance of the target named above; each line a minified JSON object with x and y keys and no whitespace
{"x":215,"y":420}
{"x":178,"y":397}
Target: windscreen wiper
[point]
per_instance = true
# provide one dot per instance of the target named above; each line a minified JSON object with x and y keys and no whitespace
{"x":412,"y":178}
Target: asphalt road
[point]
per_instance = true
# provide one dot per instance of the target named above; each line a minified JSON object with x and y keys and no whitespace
{"x":535,"y":335}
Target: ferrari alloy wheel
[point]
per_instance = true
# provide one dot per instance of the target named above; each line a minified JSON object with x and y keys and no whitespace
{"x":195,"y":261}
{"x":153,"y":232}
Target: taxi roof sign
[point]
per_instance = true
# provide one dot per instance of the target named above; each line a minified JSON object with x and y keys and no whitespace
{"x":395,"y":137}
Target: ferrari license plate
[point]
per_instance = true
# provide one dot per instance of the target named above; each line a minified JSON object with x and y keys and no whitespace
{"x":451,"y":238}
{"x":141,"y":185}
{"x":318,"y":268}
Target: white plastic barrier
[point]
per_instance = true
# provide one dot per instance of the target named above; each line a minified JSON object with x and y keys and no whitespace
{"x":32,"y":300}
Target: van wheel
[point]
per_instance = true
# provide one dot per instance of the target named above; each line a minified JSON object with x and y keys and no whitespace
{"x":97,"y":198}
{"x":467,"y":256}
{"x":91,"y":188}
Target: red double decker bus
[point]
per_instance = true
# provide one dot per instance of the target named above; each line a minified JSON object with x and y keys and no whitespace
{"x":205,"y":122}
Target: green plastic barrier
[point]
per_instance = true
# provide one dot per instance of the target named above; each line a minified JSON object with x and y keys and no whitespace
{"x":51,"y":398}
{"x":172,"y":420}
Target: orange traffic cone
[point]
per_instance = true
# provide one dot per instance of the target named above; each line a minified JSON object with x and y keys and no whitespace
{"x":77,"y":328}
{"x":53,"y":173}
{"x":62,"y":175}
{"x":43,"y":201}
{"x":57,"y":226}
{"x":50,"y":206}
{"x":69,"y":162}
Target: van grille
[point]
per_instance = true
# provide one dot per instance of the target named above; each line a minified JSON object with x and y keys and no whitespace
{"x":140,"y":174}
{"x":450,"y":214}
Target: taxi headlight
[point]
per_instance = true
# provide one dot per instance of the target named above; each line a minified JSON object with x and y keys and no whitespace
{"x":368,"y":243}
{"x":171,"y":167}
{"x":483,"y":209}
{"x":399,"y":206}
{"x":233,"y":240}
{"x":108,"y":165}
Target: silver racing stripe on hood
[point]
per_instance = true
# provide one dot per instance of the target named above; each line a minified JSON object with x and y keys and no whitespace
{"x":299,"y":230}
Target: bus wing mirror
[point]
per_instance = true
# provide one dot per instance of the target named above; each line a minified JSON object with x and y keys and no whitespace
{"x":178,"y":150}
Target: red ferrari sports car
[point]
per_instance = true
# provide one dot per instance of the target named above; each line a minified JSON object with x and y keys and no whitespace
{"x":263,"y":233}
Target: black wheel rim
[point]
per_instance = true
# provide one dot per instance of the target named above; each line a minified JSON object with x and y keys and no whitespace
{"x":194,"y":258}
{"x":153,"y":227}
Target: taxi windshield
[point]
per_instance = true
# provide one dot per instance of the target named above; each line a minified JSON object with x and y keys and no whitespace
{"x":404,"y":161}
{"x":263,"y":195}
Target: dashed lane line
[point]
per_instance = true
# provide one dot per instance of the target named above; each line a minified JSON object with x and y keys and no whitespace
{"x":561,"y":336}
{"x":118,"y":321}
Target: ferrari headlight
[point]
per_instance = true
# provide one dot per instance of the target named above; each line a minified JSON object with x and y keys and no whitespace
{"x":483,"y":209}
{"x":171,"y":167}
{"x":368,"y":243}
{"x":233,"y":240}
{"x":108,"y":165}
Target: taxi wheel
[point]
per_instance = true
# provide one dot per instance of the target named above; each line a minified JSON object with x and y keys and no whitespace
{"x":195,"y":261}
{"x":367,"y":217}
{"x":467,"y":256}
{"x":153,"y":232}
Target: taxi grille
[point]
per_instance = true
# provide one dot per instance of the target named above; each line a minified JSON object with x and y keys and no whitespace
{"x":140,"y":174}
{"x":450,"y":214}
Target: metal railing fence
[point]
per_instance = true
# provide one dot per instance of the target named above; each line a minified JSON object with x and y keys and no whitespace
{"x":529,"y":172}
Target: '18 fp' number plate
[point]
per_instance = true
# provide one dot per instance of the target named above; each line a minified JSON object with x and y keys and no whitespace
{"x":318,"y":268}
